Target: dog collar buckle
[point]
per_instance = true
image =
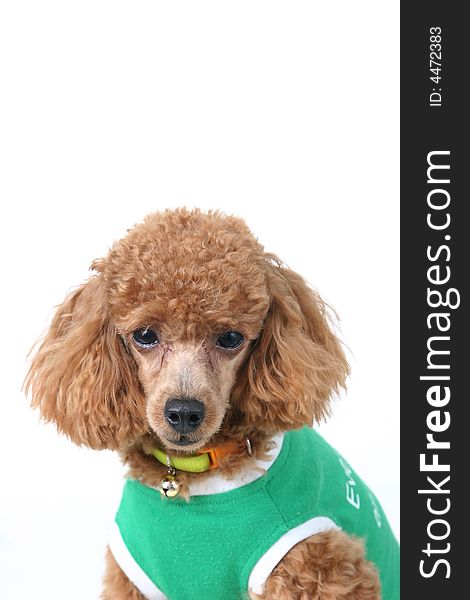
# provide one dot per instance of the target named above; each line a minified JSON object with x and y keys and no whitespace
{"x":204,"y":460}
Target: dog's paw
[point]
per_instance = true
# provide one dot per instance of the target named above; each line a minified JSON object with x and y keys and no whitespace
{"x":327,"y":566}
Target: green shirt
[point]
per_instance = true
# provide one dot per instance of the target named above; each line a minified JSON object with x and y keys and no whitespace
{"x":218,"y":546}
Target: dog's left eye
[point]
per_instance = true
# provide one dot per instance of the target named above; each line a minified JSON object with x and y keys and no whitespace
{"x":145,"y":337}
{"x":230,"y":340}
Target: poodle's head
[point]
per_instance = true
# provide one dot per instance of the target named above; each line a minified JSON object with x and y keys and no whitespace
{"x":186,"y":328}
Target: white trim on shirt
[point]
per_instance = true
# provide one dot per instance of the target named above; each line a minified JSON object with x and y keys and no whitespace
{"x":132,"y":570}
{"x":266,"y":564}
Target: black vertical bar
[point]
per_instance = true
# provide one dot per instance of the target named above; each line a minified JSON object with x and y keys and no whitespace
{"x":435,"y":116}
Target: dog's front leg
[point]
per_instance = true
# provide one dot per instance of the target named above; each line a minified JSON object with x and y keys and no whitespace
{"x":327,"y":566}
{"x":116,"y":584}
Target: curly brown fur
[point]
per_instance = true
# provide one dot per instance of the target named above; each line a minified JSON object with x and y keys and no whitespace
{"x":327,"y":566}
{"x":298,"y":362}
{"x":189,"y":276}
{"x":80,"y":377}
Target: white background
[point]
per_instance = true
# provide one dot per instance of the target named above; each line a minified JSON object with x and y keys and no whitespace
{"x":283,"y":113}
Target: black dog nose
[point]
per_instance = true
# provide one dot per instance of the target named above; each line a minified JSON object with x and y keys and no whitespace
{"x":184,"y":415}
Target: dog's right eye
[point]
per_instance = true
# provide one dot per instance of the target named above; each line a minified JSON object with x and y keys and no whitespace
{"x":230,"y":340}
{"x":145,"y":337}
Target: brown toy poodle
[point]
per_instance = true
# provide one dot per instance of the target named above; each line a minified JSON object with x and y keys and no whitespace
{"x":204,"y":362}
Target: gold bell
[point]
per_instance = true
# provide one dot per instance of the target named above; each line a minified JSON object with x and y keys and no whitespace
{"x":169,"y":486}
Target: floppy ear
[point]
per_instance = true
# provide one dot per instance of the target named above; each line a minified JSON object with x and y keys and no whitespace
{"x":297,"y":363}
{"x":82,"y":377}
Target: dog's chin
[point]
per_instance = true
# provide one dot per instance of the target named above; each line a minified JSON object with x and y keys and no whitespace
{"x":184,"y":443}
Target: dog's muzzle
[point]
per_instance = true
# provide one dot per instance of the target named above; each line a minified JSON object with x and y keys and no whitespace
{"x":184,"y":415}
